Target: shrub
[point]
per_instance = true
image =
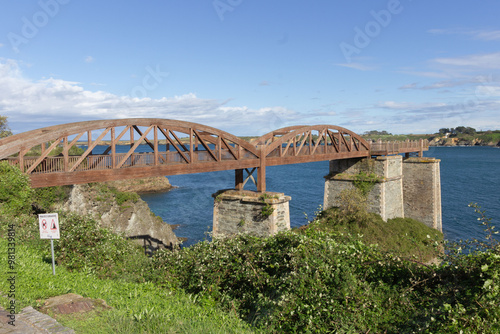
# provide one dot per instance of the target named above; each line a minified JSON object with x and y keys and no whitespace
{"x":44,"y":199}
{"x":85,"y":246}
{"x":15,"y":190}
{"x":404,"y":237}
{"x":353,"y":206}
{"x":365,"y":182}
{"x":106,"y":193}
{"x":287,"y":283}
{"x":325,"y":282}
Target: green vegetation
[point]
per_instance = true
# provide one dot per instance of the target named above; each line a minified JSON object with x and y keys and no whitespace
{"x":122,"y":197}
{"x":45,"y":198}
{"x":96,"y":263}
{"x":458,"y":131}
{"x":105,"y":193}
{"x":347,"y":271}
{"x":136,"y":307}
{"x":377,"y":133}
{"x":365,"y":181}
{"x":4,"y":128}
{"x":15,"y":190}
{"x":462,"y":133}
{"x":390,"y":137}
{"x":37,"y":150}
{"x":407,"y":237}
{"x":490,"y":136}
{"x":267,"y":209}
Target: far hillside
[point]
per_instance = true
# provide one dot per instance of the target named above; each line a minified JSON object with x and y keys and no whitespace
{"x":459,"y":136}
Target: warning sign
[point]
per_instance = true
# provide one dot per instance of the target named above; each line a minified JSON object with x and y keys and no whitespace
{"x":49,"y":226}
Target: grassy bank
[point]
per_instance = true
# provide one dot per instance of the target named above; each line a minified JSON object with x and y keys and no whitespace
{"x":136,"y":307}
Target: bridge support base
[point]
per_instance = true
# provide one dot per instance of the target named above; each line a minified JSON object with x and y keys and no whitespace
{"x":386,"y":196}
{"x":405,"y":188}
{"x":422,"y":191}
{"x":243,"y":211}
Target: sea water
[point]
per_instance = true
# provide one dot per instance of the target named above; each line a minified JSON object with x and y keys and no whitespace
{"x":468,"y":175}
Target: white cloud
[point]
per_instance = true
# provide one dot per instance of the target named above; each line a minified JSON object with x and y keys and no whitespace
{"x":407,"y":105}
{"x":426,"y":74}
{"x":358,"y":66}
{"x":478,"y":34}
{"x":487,"y":91}
{"x":89,"y":59}
{"x":487,"y":61}
{"x":393,"y":105}
{"x":409,"y":86}
{"x":442,"y":84}
{"x":38,"y":103}
{"x":407,"y":117}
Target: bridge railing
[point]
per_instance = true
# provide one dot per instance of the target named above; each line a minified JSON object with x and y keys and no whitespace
{"x":396,"y":147}
{"x":103,"y":162}
{"x":56,"y":164}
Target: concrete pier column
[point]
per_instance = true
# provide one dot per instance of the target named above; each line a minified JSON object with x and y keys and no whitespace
{"x":422,"y":191}
{"x":385,"y":198}
{"x":244,"y":211}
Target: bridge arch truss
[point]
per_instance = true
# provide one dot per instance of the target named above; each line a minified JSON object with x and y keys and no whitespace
{"x":175,"y":147}
{"x":297,"y":144}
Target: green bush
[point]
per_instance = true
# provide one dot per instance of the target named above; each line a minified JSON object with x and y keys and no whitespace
{"x":288,"y":283}
{"x":107,"y":193}
{"x":15,"y":190}
{"x":37,"y":150}
{"x":490,"y":137}
{"x":44,"y":199}
{"x":402,"y":236}
{"x":322,"y":280}
{"x":85,"y":246}
{"x":365,"y":182}
{"x":353,"y":206}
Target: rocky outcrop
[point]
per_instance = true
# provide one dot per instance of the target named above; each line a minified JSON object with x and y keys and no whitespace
{"x":444,"y":141}
{"x":131,"y":216}
{"x":141,"y":186}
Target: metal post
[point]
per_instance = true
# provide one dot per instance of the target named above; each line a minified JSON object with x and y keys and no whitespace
{"x":53,"y":262}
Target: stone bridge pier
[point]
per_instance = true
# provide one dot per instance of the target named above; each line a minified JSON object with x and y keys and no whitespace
{"x":408,"y":187}
{"x":261,"y":214}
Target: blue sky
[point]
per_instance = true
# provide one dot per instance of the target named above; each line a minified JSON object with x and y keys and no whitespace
{"x":249,"y":67}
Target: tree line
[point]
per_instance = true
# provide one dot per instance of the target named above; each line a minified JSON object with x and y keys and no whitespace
{"x":459,"y":130}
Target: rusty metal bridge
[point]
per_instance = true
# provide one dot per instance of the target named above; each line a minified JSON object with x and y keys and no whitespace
{"x":177,"y":147}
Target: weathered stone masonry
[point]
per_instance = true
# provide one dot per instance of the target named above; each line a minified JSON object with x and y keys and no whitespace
{"x":406,"y":188}
{"x":241,"y":212}
{"x":422,"y":191}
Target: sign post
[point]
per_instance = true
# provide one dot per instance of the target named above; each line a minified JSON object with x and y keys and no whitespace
{"x":49,"y":229}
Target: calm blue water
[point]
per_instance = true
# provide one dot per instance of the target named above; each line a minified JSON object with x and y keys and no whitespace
{"x":468,"y":174}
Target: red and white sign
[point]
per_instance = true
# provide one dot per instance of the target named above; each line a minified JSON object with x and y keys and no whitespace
{"x":49,"y":226}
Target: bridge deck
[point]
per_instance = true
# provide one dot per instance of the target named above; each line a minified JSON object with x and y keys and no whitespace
{"x":206,"y":149}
